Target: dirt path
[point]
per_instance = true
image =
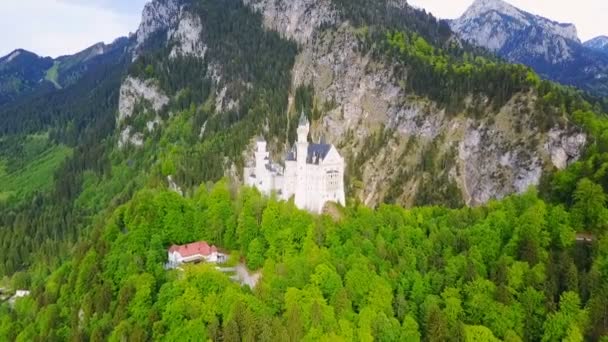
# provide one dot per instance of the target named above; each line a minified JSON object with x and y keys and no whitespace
{"x":242,"y":275}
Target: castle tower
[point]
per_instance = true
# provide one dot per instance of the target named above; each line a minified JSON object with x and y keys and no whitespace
{"x":301,"y":154}
{"x":261,"y":159}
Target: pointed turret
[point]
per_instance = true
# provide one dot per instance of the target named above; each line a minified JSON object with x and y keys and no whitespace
{"x":303,"y":129}
{"x":303,"y":119}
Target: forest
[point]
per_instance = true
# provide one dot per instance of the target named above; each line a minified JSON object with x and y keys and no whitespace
{"x":511,"y":270}
{"x":89,"y":237}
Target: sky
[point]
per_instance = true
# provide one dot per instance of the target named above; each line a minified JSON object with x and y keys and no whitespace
{"x":59,"y":27}
{"x":589,"y":16}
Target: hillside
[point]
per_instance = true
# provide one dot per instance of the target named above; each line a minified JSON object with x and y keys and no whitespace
{"x":23,"y":73}
{"x":367,"y":91}
{"x":146,"y":148}
{"x":28,"y":166}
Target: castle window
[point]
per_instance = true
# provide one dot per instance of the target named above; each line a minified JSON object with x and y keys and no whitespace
{"x":332,"y":181}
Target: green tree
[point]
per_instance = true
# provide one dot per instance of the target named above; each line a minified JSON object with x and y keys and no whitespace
{"x":589,"y":210}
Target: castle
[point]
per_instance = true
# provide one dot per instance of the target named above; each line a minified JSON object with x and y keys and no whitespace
{"x":313,"y":173}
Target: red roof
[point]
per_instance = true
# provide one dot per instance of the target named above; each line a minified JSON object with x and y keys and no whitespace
{"x":194,"y":248}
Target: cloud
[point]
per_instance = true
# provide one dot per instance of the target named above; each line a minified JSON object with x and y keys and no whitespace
{"x":59,"y":27}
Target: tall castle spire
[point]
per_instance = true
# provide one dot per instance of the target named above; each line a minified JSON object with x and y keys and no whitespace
{"x":303,"y":119}
{"x":303,"y":128}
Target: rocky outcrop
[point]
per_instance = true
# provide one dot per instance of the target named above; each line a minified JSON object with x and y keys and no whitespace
{"x":187,"y":37}
{"x":128,"y":137}
{"x":133,"y":91}
{"x":157,"y":18}
{"x":565,"y":147}
{"x":173,"y":186}
{"x":297,"y":20}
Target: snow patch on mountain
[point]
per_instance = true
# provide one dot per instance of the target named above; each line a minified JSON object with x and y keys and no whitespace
{"x":12,"y":56}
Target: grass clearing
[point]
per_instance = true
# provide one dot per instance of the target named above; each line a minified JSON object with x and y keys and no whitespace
{"x":52,"y":75}
{"x":36,"y":174}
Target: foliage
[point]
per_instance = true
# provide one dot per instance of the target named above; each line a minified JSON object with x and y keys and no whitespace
{"x":27,"y":166}
{"x":389,"y":274}
{"x":92,"y":248}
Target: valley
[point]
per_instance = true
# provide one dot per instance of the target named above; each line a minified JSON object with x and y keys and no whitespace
{"x":476,"y":189}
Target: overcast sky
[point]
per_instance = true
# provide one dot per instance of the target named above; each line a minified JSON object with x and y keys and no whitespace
{"x":589,"y":16}
{"x":59,"y":27}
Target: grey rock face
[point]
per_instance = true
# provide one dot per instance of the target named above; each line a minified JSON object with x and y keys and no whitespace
{"x":134,"y":90}
{"x":297,"y":20}
{"x":158,"y":15}
{"x":187,"y":36}
{"x":128,"y":137}
{"x":564,"y":147}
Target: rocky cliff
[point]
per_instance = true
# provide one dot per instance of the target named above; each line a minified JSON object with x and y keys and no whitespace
{"x":400,"y":146}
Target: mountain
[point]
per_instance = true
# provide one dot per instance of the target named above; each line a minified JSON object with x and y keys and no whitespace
{"x":598,"y":43}
{"x":25,"y":73}
{"x":146,"y":149}
{"x":21,"y":72}
{"x":552,"y":49}
{"x":394,"y":130}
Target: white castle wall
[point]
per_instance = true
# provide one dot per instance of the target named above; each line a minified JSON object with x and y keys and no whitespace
{"x":311,"y":185}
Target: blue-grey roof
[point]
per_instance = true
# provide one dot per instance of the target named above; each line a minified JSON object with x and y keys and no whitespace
{"x":317,"y":152}
{"x":291,"y":156}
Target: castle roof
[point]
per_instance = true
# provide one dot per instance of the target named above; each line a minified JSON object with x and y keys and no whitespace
{"x":291,"y":156}
{"x":191,"y":249}
{"x":317,"y":153}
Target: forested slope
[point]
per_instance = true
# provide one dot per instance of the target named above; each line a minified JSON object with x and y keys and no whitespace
{"x":91,"y":247}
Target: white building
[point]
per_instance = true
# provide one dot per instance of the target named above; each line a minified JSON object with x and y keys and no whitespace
{"x":193,"y":253}
{"x":18,"y":295}
{"x":313,"y":173}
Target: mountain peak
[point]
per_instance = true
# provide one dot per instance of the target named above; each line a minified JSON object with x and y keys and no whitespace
{"x":551,"y":48}
{"x":14,"y":54}
{"x":598,"y":43}
{"x":481,"y":9}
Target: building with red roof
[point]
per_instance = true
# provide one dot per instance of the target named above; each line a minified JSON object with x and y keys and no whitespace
{"x":194,"y":252}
